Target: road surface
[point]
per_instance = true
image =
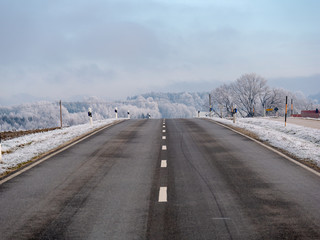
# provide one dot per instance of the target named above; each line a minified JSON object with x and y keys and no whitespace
{"x":150,"y":179}
{"x":305,"y":122}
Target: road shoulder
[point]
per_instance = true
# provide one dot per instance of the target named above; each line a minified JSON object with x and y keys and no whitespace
{"x":20,"y":168}
{"x":304,"y":163}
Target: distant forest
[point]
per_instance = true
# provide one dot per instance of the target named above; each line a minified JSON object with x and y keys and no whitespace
{"x":47,"y":114}
{"x":250,"y":94}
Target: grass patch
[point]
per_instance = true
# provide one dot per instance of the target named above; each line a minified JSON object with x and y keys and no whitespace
{"x":12,"y":169}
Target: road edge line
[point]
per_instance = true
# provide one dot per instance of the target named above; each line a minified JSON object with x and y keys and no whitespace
{"x":45,"y":156}
{"x":270,"y":148}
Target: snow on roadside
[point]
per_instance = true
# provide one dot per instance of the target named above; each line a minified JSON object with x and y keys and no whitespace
{"x":24,"y":148}
{"x":302,"y":142}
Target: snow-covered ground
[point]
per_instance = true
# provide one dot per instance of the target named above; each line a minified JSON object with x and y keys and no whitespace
{"x":302,"y":142}
{"x":23,"y":149}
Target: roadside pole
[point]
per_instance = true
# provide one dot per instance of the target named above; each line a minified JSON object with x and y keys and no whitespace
{"x":116,"y":111}
{"x":291,"y":108}
{"x":210,"y":106}
{"x":285,"y":115}
{"x":0,"y":151}
{"x":60,"y":114}
{"x":90,"y":115}
{"x":234,"y":112}
{"x":198,"y":114}
{"x":128,"y":114}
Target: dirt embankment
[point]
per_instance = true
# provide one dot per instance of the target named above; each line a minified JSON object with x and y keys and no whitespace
{"x":15,"y":134}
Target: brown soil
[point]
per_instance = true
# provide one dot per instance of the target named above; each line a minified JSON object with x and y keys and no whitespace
{"x":15,"y":134}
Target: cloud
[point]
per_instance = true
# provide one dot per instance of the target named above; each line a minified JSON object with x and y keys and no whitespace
{"x":120,"y":47}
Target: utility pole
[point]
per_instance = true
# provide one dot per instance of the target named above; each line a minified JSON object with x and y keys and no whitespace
{"x":0,"y":150}
{"x":60,"y":114}
{"x":210,"y":106}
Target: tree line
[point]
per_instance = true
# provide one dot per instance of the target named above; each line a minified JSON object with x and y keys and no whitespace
{"x":47,"y":114}
{"x":251,"y":95}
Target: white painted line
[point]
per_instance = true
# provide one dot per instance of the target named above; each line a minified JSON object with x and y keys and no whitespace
{"x":271,"y":148}
{"x":164,"y":147}
{"x":163,"y":163}
{"x":164,"y":137}
{"x":163,"y":194}
{"x":163,"y":130}
{"x":163,"y":126}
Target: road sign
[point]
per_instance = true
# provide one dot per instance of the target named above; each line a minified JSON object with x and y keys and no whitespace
{"x":269,"y":109}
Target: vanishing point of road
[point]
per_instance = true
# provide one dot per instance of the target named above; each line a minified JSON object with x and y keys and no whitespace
{"x":162,"y":179}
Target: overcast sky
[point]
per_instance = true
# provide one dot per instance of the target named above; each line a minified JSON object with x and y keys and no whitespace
{"x":60,"y":49}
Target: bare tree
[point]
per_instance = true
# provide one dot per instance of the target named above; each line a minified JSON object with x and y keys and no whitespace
{"x":265,"y":99}
{"x":222,"y":97}
{"x":246,"y":91}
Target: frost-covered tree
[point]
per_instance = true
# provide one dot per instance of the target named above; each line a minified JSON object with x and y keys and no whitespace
{"x":47,"y":114}
{"x":246,"y":91}
{"x":222,"y":98}
{"x":250,"y":91}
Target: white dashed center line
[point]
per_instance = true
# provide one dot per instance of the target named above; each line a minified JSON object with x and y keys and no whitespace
{"x":164,"y":137}
{"x":164,"y":147}
{"x":163,"y":194}
{"x":163,"y":163}
{"x":163,"y":130}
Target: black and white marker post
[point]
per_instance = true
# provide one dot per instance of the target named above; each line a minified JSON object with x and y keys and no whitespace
{"x":128,"y":114}
{"x":90,"y":116}
{"x":234,"y":112}
{"x":116,"y":111}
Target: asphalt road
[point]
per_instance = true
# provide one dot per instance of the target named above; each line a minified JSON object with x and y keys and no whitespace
{"x":311,"y":123}
{"x":143,"y":179}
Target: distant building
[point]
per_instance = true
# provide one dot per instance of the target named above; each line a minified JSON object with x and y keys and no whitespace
{"x":308,"y":113}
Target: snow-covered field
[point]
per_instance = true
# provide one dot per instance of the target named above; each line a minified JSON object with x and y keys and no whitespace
{"x":23,"y":149}
{"x":302,"y":142}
